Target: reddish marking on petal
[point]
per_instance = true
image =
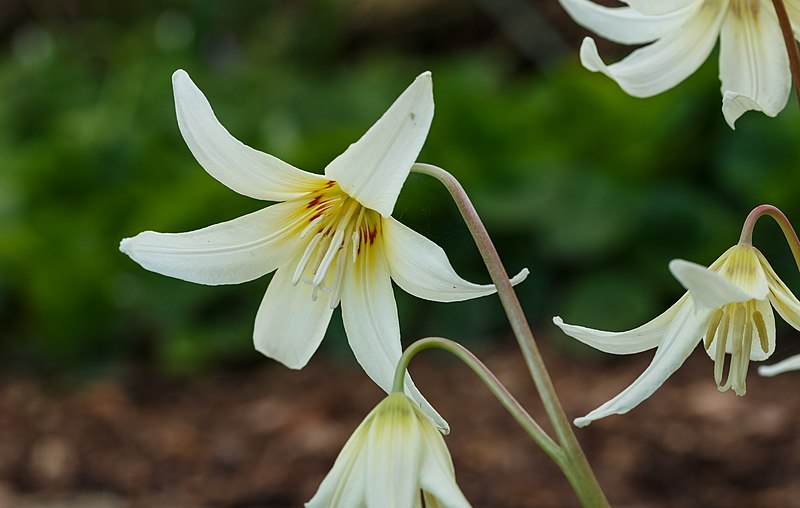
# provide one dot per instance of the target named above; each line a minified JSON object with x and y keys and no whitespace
{"x":330,"y":184}
{"x":314,"y":202}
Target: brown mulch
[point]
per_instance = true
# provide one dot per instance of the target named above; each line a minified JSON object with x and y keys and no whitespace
{"x":266,"y":438}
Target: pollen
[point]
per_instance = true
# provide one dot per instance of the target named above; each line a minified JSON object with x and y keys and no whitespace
{"x":335,"y":231}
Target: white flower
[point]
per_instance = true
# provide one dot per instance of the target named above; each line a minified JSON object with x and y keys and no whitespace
{"x":680,"y":34}
{"x":331,"y":239}
{"x":394,"y":459}
{"x":727,"y":306}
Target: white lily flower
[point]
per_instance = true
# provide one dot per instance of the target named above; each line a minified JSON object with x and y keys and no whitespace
{"x":727,"y":307}
{"x":680,"y":34}
{"x":394,"y":459}
{"x":331,"y":239}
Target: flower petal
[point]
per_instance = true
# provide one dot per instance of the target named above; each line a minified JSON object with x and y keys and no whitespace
{"x":621,"y":24}
{"x":345,"y":484}
{"x":393,"y":456}
{"x":374,"y":168}
{"x":711,"y":289}
{"x":231,"y":252}
{"x":421,"y":267}
{"x":437,"y":478}
{"x":781,"y":296}
{"x":679,"y":341}
{"x":236,"y":165}
{"x":657,"y":7}
{"x":370,"y":319}
{"x":290,"y":325}
{"x":787,"y":365}
{"x":639,"y":339}
{"x":753,"y":64}
{"x":663,"y":64}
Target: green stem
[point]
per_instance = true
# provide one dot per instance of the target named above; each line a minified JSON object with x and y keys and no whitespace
{"x":502,"y":394}
{"x":790,"y":43}
{"x":579,"y":472}
{"x":783,"y":222}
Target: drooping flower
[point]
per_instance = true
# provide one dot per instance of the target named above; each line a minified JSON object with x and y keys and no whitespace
{"x":330,"y":240}
{"x":727,"y":308}
{"x":680,"y":34}
{"x":394,"y":459}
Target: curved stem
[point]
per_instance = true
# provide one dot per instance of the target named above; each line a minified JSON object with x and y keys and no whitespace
{"x":522,"y":417}
{"x":580,"y":474}
{"x":791,"y":45}
{"x":783,"y":222}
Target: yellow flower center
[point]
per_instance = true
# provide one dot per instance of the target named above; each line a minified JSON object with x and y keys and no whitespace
{"x":732,"y":329}
{"x":337,"y":228}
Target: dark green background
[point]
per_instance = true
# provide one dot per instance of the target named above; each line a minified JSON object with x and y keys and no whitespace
{"x":591,"y":189}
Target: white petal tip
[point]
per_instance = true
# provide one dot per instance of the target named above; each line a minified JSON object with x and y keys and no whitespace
{"x":590,"y":58}
{"x":558,"y":321}
{"x":768,"y":371}
{"x":125,"y":245}
{"x":582,"y":421}
{"x":520,"y":277}
{"x":290,"y":363}
{"x":179,"y":75}
{"x":734,"y":105}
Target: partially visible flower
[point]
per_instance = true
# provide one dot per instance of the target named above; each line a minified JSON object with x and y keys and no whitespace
{"x":680,"y":34}
{"x":727,"y":307}
{"x":331,"y":239}
{"x":787,"y":365}
{"x":394,"y":459}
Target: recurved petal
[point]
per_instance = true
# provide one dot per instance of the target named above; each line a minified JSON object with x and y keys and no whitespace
{"x":663,"y":64}
{"x":753,"y":64}
{"x":374,"y":168}
{"x":781,"y":297}
{"x":658,"y":7}
{"x":787,"y":365}
{"x":639,"y":339}
{"x":236,"y":165}
{"x":421,"y":267}
{"x":680,"y":339}
{"x":231,"y":252}
{"x":711,"y":289}
{"x":370,"y":320}
{"x":437,"y":479}
{"x":622,"y":24}
{"x":290,"y":324}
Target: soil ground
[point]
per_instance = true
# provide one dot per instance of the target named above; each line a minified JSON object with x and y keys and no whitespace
{"x":266,"y":437}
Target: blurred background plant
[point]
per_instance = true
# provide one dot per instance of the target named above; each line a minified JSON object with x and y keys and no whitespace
{"x":591,"y":189}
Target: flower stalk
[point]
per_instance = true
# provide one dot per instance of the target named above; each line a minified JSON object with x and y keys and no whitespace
{"x":578,"y":471}
{"x":791,"y":44}
{"x":780,"y":218}
{"x":520,"y":415}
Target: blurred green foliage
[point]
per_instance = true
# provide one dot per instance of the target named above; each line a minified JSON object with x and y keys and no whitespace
{"x":591,"y":189}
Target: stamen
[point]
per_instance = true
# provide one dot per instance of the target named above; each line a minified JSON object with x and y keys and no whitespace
{"x":737,"y":333}
{"x":336,"y":293}
{"x":741,"y":386}
{"x":301,"y":266}
{"x":761,"y":327}
{"x":333,"y":248}
{"x":311,"y":225}
{"x":722,"y":344}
